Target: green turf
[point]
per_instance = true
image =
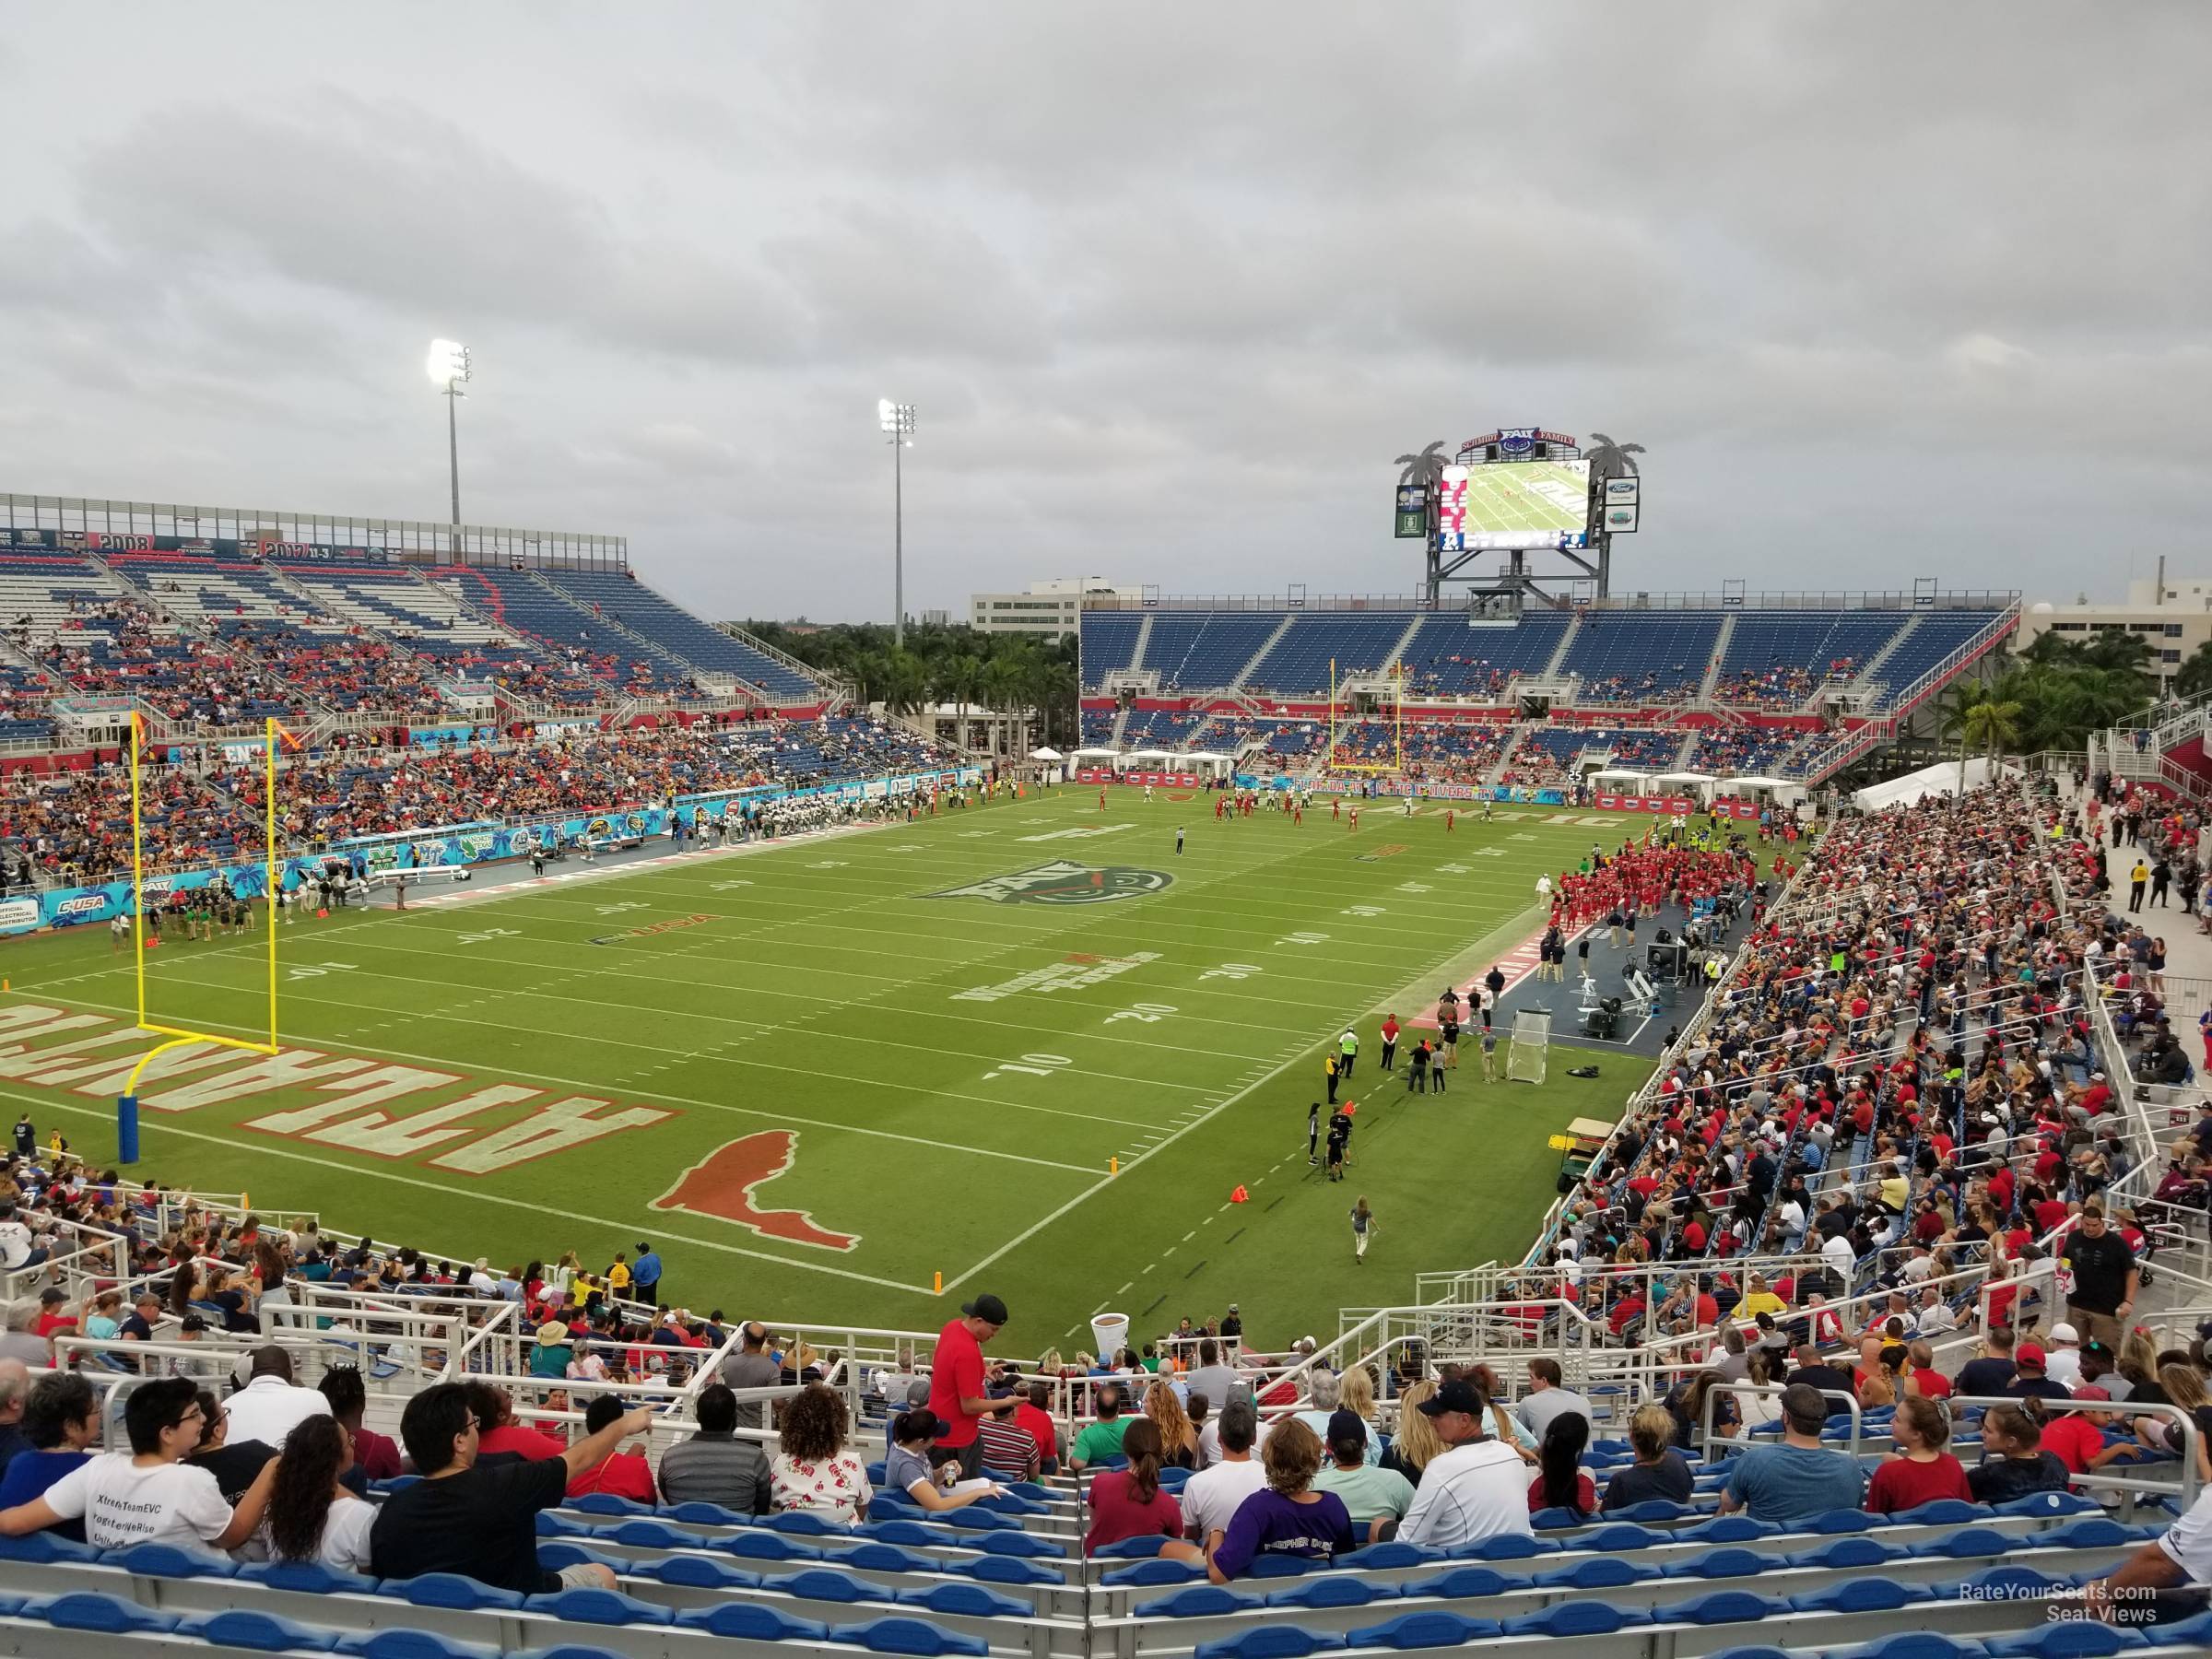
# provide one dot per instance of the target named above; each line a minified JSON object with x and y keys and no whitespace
{"x":816,"y":986}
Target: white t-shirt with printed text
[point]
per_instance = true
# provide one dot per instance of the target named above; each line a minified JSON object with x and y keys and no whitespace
{"x":122,"y":1504}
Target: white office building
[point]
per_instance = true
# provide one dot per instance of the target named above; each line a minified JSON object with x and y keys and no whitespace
{"x":2172,"y":617}
{"x":1048,"y":609}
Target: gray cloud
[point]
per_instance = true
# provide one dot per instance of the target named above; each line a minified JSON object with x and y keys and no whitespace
{"x":1887,"y":290}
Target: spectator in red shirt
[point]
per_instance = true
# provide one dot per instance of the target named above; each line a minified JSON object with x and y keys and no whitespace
{"x":624,"y":1474}
{"x":376,"y":1455}
{"x":496,"y":1430}
{"x":1923,"y":1470}
{"x":955,"y":1383}
{"x":1032,"y":1415}
{"x":1562,"y":1482}
{"x":1931,"y":1383}
{"x":1128,"y":1503}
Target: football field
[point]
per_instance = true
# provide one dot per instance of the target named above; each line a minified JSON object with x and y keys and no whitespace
{"x":1029,"y":1047}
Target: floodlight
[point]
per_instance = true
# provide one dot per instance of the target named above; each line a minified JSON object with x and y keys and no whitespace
{"x":448,"y":362}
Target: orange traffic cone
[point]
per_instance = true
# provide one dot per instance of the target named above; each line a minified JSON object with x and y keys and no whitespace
{"x":321,"y":915}
{"x":1240,"y":1196}
{"x":153,"y":943}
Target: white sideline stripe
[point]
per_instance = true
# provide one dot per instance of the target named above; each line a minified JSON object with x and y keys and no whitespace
{"x":372,"y":1173}
{"x":446,"y":1063}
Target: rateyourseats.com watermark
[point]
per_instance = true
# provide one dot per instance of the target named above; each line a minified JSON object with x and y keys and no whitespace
{"x":2096,"y":1603}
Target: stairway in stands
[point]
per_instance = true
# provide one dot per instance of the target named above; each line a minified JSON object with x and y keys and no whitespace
{"x":1254,"y":661}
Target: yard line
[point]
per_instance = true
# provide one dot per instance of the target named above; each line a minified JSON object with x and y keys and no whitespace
{"x":380,"y":1052}
{"x":370,"y":1171}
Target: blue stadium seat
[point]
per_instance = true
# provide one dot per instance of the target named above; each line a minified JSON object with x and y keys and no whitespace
{"x":2065,"y":1639}
{"x":1721,"y":1606}
{"x":1596,"y":1572}
{"x":1001,"y":1569}
{"x":410,"y":1644}
{"x":257,"y":1633}
{"x":1389,"y":1554}
{"x":1432,"y":1628}
{"x":1912,"y":1644}
{"x":166,"y":1560}
{"x":1269,"y":1642}
{"x":1853,"y":1551}
{"x":762,"y":1546}
{"x":914,"y":1636}
{"x":311,"y":1577}
{"x":1724,"y":1562}
{"x":968,"y":1601}
{"x":750,"y":1621}
{"x":1860,"y":1596}
{"x":105,"y":1615}
{"x":1195,"y":1601}
{"x":698,"y":1572}
{"x":1466,"y":1584}
{"x":1332,"y":1590}
{"x":1575,"y":1619}
{"x":450,"y":1590}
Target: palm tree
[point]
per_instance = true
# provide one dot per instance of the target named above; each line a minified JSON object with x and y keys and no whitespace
{"x":957,"y":680}
{"x":1426,"y":469}
{"x":903,"y":683}
{"x":1001,"y":684}
{"x":1611,"y":460}
{"x":2196,"y":676}
{"x":1952,"y":713}
{"x":1994,"y":725}
{"x":2117,"y":648}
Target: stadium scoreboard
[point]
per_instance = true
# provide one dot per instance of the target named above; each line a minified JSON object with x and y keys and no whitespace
{"x":1515,"y":488}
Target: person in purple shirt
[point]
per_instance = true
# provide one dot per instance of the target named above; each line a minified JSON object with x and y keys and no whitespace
{"x":1287,"y":1516}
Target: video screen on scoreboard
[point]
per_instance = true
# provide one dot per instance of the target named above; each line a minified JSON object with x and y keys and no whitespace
{"x":1515,"y":504}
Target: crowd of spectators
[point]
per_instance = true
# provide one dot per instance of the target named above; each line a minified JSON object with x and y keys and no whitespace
{"x":75,"y":826}
{"x":121,"y":648}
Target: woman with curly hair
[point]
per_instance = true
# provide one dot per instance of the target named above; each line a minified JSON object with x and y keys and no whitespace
{"x":311,"y":1516}
{"x":812,"y":1470}
{"x":1287,"y":1516}
{"x":1178,"y":1440}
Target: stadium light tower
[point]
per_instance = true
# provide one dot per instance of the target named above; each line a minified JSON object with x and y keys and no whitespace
{"x":448,"y":368}
{"x":897,"y":419}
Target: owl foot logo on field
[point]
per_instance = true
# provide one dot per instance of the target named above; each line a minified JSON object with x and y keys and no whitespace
{"x":1062,"y":882}
{"x":722,"y":1185}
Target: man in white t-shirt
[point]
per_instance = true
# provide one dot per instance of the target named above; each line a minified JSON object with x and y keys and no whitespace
{"x":270,"y":1407}
{"x":1210,"y":1497}
{"x":149,"y":1495}
{"x":1479,"y":1490}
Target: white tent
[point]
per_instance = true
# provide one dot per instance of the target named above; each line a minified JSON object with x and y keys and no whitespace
{"x":1780,"y":790}
{"x":1046,"y":753}
{"x":1941,"y":779}
{"x":1685,"y":782}
{"x":1618,"y":776}
{"x":1098,"y":754}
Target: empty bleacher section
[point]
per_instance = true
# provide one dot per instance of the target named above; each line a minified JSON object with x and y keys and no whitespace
{"x":620,"y":597}
{"x":1355,"y":643}
{"x":1937,"y":637}
{"x":576,"y":638}
{"x":24,"y":693}
{"x":1108,"y":642}
{"x":1198,"y":651}
{"x":1641,"y":656}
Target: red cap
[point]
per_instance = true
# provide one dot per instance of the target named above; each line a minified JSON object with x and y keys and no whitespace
{"x":2029,"y":1353}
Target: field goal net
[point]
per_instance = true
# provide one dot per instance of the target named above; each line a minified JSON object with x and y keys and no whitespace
{"x":1531,"y":1045}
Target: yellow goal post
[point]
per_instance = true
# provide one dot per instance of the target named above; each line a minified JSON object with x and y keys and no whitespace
{"x":1396,"y":764}
{"x":126,"y":1105}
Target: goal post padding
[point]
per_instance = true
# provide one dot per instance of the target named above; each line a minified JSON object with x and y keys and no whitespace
{"x":1531,"y":1044}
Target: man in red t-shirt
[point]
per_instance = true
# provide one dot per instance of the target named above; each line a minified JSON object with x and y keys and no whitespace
{"x":955,"y":1383}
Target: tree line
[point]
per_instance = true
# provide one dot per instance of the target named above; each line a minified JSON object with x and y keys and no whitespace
{"x":1005,"y":674}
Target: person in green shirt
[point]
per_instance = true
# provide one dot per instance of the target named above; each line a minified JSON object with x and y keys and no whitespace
{"x":1349,"y":1043}
{"x":551,"y":1356}
{"x":1371,"y":1494}
{"x":1103,"y":1438}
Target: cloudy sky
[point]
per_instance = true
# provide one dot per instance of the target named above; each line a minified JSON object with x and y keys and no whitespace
{"x":1887,"y":290}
